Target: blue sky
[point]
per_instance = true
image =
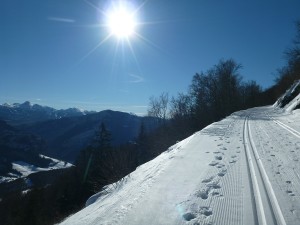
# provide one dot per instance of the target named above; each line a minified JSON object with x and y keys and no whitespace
{"x":50,"y":52}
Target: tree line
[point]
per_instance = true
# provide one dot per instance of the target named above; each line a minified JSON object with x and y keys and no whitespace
{"x":212,"y":95}
{"x":288,"y":73}
{"x":220,"y":91}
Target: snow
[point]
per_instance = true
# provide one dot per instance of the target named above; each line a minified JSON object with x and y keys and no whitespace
{"x":8,"y":179}
{"x":242,"y":170}
{"x":294,"y":102}
{"x":57,"y":164}
{"x":26,"y":169}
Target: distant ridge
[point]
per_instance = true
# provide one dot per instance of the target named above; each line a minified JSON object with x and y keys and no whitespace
{"x":65,"y":137}
{"x":26,"y":113}
{"x":67,"y":131}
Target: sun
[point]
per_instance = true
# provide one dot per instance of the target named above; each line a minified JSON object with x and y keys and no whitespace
{"x":121,"y":21}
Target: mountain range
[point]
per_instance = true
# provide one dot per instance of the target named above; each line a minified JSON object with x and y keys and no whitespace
{"x":66,"y":131}
{"x":31,"y":134}
{"x":65,"y":137}
{"x":26,"y":113}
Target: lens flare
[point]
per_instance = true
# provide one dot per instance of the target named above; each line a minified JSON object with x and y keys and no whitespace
{"x":121,"y":20}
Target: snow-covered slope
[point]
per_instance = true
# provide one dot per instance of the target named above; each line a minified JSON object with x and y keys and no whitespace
{"x":290,"y":100}
{"x":242,"y":170}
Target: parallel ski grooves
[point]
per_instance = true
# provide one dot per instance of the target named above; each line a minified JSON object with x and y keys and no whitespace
{"x":268,"y":210}
{"x":288,"y":128}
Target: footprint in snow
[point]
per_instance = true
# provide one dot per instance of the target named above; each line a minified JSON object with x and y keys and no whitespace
{"x":213,"y":185}
{"x":290,"y":193}
{"x":210,"y":187}
{"x":202,"y":193}
{"x":189,"y":216}
{"x":196,"y":211}
{"x":220,"y":165}
{"x":206,"y":211}
{"x":218,"y":157}
{"x":222,"y":173}
{"x":213,"y":163}
{"x":207,"y":180}
{"x":216,"y":193}
{"x":278,"y":172}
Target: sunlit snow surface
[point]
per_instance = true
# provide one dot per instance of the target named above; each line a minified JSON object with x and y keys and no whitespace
{"x":205,"y":179}
{"x":26,"y":169}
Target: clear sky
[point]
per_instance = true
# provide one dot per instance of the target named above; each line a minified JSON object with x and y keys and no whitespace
{"x":56,"y":52}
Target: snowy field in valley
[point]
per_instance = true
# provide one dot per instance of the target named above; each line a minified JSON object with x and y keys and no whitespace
{"x":244,"y":169}
{"x":24,"y":169}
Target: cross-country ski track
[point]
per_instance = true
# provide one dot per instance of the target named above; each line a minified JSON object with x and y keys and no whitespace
{"x":242,"y":170}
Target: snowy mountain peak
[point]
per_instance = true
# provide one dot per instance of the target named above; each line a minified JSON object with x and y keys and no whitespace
{"x":25,"y":105}
{"x":27,"y":113}
{"x":6,"y":105}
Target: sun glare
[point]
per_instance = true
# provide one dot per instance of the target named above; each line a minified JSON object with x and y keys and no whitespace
{"x":121,"y":21}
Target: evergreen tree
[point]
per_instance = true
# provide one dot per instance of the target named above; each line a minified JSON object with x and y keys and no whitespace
{"x":104,"y":138}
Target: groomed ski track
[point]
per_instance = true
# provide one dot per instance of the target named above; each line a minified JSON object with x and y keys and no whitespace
{"x":243,"y":170}
{"x":266,"y":204}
